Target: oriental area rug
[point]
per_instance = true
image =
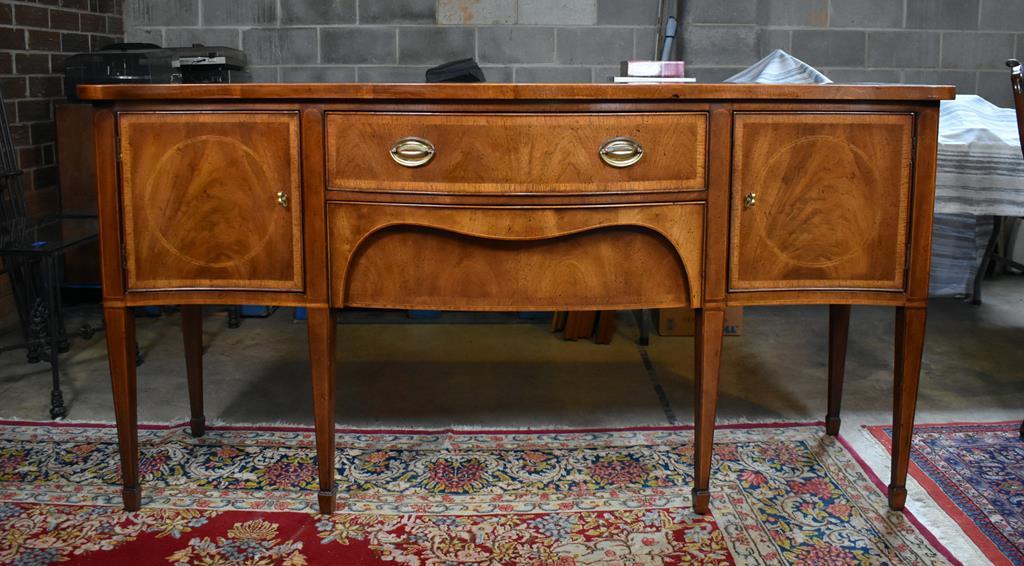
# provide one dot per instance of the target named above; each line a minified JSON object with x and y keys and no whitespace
{"x":975,"y":472}
{"x":783,"y":494}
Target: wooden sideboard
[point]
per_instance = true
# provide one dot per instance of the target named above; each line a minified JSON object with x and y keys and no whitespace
{"x":509,"y":197}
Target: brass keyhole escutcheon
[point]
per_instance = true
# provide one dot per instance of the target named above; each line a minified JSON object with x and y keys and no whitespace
{"x":282,"y":199}
{"x":750,"y":200}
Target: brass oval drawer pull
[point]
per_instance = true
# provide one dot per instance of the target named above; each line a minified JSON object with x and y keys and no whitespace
{"x":412,"y":152}
{"x":621,"y":152}
{"x":282,"y":199}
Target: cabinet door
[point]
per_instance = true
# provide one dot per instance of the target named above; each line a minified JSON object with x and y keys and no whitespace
{"x":820,"y":200}
{"x":212,"y":200}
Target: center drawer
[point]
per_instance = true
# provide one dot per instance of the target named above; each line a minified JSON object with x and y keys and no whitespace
{"x":501,"y":258}
{"x":454,"y":153}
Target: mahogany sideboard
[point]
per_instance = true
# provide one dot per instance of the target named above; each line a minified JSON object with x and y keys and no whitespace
{"x":515,"y":197}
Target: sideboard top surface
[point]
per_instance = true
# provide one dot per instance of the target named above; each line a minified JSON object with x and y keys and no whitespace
{"x":498,"y":91}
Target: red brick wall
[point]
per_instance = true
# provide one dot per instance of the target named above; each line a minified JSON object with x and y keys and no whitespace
{"x":35,"y":36}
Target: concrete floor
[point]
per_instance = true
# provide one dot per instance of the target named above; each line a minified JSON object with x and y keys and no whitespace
{"x":520,"y":375}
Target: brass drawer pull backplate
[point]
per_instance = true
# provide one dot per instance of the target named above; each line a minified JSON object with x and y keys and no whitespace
{"x":621,"y":152}
{"x":412,"y":152}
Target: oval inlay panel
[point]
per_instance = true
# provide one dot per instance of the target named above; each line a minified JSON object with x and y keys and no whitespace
{"x":186,"y":199}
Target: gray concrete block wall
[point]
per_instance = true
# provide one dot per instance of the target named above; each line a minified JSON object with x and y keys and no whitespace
{"x":397,"y":40}
{"x":961,"y":42}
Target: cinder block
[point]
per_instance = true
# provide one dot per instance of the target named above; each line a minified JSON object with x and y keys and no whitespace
{"x":903,"y":49}
{"x":720,"y":46}
{"x":995,"y":87}
{"x":829,"y":47}
{"x":942,"y":14}
{"x":358,"y":45}
{"x":644,"y":48}
{"x":477,"y":12}
{"x":1005,"y":15}
{"x":866,"y":14}
{"x":720,"y":12}
{"x":280,"y":46}
{"x":184,"y":37}
{"x":793,"y":13}
{"x":553,"y":74}
{"x":432,"y":45}
{"x":605,"y":74}
{"x":971,"y":50}
{"x":962,"y":80}
{"x":318,"y":74}
{"x":145,"y":35}
{"x":239,"y":12}
{"x":263,"y":74}
{"x":594,"y":46}
{"x":769,"y":40}
{"x":516,"y":44}
{"x":711,"y":74}
{"x":318,"y":12}
{"x":628,"y":12}
{"x":397,"y":11}
{"x":161,"y":13}
{"x":498,"y":74}
{"x":558,"y":12}
{"x":863,"y":75}
{"x":391,"y":74}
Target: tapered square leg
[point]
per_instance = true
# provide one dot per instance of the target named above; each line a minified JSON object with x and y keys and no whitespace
{"x":910,"y":328}
{"x":120,"y":331}
{"x":838,"y":332}
{"x":710,"y":324}
{"x":322,"y":324}
{"x":192,"y":333}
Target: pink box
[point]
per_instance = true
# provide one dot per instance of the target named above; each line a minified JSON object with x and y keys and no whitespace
{"x":652,"y":68}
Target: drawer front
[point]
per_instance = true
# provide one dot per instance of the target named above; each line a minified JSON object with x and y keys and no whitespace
{"x":516,"y":153}
{"x":211,"y":200}
{"x":523,"y":258}
{"x":820,"y":200}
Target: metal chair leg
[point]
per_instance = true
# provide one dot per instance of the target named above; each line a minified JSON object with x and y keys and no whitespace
{"x":57,"y":409}
{"x":234,"y":317}
{"x":986,"y":259}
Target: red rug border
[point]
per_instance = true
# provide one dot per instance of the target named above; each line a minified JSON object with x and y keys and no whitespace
{"x":966,"y":524}
{"x":921,"y":528}
{"x":925,"y":532}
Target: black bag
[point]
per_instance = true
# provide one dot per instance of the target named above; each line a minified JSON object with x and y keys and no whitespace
{"x":460,"y":71}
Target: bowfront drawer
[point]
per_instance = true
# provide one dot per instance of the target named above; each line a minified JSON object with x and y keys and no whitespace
{"x":516,"y":153}
{"x":516,"y":258}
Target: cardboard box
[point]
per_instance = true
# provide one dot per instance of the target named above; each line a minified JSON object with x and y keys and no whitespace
{"x":679,"y":322}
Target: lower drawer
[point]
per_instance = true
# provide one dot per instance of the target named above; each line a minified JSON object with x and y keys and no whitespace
{"x":522,"y":258}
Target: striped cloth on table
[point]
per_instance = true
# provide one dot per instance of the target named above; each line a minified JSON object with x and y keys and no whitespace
{"x":779,"y":67}
{"x":980,"y":173}
{"x":980,"y":167}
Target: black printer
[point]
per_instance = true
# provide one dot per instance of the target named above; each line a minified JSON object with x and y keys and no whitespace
{"x":122,"y":63}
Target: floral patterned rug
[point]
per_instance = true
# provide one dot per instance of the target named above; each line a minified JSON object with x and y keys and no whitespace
{"x":781,"y":494}
{"x":975,"y":472}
